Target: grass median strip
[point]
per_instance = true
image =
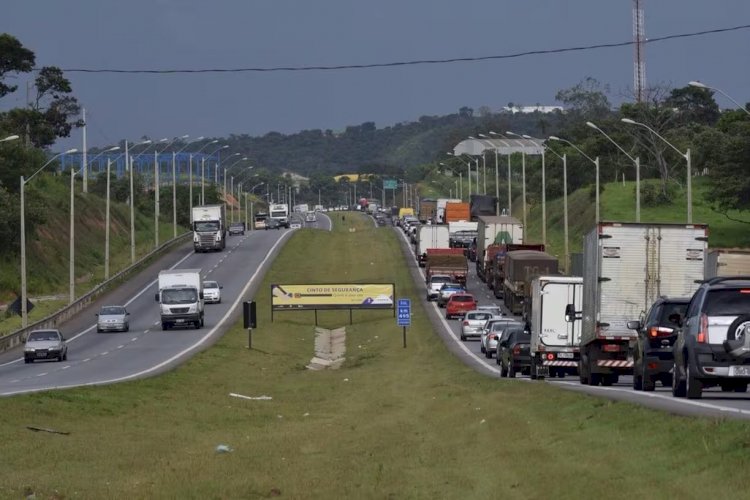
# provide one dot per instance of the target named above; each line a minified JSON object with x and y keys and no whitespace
{"x":390,"y":421}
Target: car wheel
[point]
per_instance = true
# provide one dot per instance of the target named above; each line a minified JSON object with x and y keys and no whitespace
{"x":648,"y":383}
{"x":165,"y":326}
{"x":27,"y":360}
{"x":595,"y":379}
{"x":503,"y":370}
{"x":127,"y":327}
{"x":637,"y":382}
{"x":487,"y":354}
{"x":533,"y":375}
{"x":463,"y":337}
{"x":561,"y":374}
{"x":98,"y":330}
{"x":511,"y":369}
{"x":482,"y":349}
{"x":740,"y":388}
{"x":497,"y":359}
{"x":678,"y":385}
{"x":583,"y":377}
{"x":694,"y":387}
{"x":608,"y":380}
{"x":65,"y":356}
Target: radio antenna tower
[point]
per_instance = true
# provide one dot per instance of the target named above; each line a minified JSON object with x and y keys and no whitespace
{"x":639,"y":39}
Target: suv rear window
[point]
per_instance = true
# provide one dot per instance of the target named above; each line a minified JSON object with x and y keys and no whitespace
{"x":481,"y":316}
{"x":727,"y":302}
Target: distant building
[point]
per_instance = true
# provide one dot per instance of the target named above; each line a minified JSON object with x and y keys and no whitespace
{"x":532,"y":109}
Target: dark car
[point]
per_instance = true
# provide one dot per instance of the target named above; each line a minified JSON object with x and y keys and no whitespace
{"x":236,"y":228}
{"x":273,"y":224}
{"x":713,"y":343}
{"x":514,"y":352}
{"x":652,"y":350}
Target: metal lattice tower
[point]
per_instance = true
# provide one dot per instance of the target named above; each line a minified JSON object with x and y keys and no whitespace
{"x":639,"y":39}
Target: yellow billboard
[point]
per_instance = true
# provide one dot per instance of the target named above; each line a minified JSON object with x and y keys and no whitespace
{"x":333,"y":296}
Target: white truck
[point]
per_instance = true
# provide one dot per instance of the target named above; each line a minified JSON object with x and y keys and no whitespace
{"x":209,"y":227}
{"x":554,"y":341}
{"x":279,"y":212}
{"x":496,"y":229}
{"x":180,"y":298}
{"x":626,"y":267}
{"x":727,"y":262}
{"x":431,"y":236}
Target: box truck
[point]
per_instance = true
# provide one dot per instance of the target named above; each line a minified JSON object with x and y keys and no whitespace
{"x":180,"y":298}
{"x":555,"y":342}
{"x":626,"y":267}
{"x":432,"y":236}
{"x":727,"y":262}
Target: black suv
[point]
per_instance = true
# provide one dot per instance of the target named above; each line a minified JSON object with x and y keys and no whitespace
{"x":652,"y":352}
{"x":513,"y":351}
{"x":713,"y":344}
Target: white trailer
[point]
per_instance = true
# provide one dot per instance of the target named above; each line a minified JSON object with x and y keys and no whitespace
{"x":432,"y":236}
{"x":180,"y":298}
{"x":279,"y":212}
{"x":626,"y":266}
{"x":554,"y":341}
{"x":727,"y":262}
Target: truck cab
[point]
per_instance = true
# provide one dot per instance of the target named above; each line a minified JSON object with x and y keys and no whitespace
{"x":279,"y":212}
{"x":180,"y":298}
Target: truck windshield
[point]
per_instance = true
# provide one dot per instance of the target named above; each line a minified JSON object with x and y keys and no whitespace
{"x":201,"y":226}
{"x":280,"y":213}
{"x":179,"y":296}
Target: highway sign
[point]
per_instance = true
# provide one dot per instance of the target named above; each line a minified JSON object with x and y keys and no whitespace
{"x":403,"y":313}
{"x":390,"y":183}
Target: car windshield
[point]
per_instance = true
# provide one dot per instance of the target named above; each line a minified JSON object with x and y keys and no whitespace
{"x":179,"y":296}
{"x":518,"y":335}
{"x":201,"y":226}
{"x":43,"y":336}
{"x":727,"y":302}
{"x":112,"y":311}
{"x":237,"y":224}
{"x":495,"y":311}
{"x":210,"y":284}
{"x":499,"y":326}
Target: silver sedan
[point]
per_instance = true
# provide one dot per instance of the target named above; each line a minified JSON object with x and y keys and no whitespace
{"x":112,"y":319}
{"x":473,"y":323}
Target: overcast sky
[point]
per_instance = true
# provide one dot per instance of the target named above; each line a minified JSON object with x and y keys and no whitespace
{"x":200,"y":34}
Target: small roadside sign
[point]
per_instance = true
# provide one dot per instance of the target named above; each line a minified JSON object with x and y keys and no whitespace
{"x":403,"y":313}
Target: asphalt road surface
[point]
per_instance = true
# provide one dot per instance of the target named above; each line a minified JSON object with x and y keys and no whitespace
{"x":715,"y":403}
{"x":101,"y":358}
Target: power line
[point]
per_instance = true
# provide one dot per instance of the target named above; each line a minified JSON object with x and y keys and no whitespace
{"x":407,"y":63}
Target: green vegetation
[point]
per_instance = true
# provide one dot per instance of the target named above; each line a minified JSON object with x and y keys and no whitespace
{"x":411,"y":422}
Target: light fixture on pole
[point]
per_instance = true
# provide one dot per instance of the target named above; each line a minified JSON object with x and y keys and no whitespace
{"x":594,"y":161}
{"x":704,"y":86}
{"x":636,"y":161}
{"x":523,"y":176}
{"x":174,"y":184}
{"x":510,"y":193}
{"x":190,"y":176}
{"x":203,"y":172}
{"x":106,"y":216}
{"x":157,"y":185}
{"x":9,"y":138}
{"x":497,"y":174}
{"x":685,"y":155}
{"x":24,"y":299}
{"x":564,"y":159}
{"x":226,"y":169}
{"x":468,"y":165}
{"x":129,"y":167}
{"x":544,"y":190}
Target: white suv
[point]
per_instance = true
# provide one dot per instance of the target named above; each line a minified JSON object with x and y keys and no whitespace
{"x":433,"y":287}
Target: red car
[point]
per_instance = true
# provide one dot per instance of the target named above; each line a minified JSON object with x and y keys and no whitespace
{"x":459,"y":304}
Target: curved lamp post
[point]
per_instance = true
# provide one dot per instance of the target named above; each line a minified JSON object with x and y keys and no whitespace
{"x":190,"y":176}
{"x":24,"y":299}
{"x":704,"y":86}
{"x":636,"y":161}
{"x":523,"y":175}
{"x":685,"y":155}
{"x":594,"y":161}
{"x":564,"y":159}
{"x":510,"y":194}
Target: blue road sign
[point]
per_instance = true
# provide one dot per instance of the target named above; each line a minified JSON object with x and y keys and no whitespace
{"x":403,"y":314}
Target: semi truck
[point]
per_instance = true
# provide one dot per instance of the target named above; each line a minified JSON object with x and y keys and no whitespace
{"x":427,"y":210}
{"x":431,"y":236}
{"x":446,"y":261}
{"x":455,"y":212}
{"x":481,"y":205}
{"x":727,"y":262}
{"x":496,"y":274}
{"x":626,"y":266}
{"x":180,"y":298}
{"x":493,"y":229}
{"x":522,"y":266}
{"x":279,"y":212}
{"x":555,"y":349}
{"x":209,"y":227}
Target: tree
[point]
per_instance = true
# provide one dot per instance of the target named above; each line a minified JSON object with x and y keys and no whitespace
{"x":14,"y":58}
{"x":587,"y":99}
{"x":694,"y":104}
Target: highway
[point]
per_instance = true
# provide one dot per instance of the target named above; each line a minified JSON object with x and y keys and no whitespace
{"x":102,"y":358}
{"x":715,"y":403}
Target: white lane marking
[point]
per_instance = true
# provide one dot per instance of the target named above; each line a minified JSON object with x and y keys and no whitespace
{"x":166,"y":362}
{"x":136,"y":338}
{"x":42,"y":374}
{"x":120,"y":346}
{"x":87,"y":359}
{"x":104,"y":353}
{"x":15,"y":380}
{"x":65,"y":367}
{"x":144,"y":331}
{"x":156,"y":323}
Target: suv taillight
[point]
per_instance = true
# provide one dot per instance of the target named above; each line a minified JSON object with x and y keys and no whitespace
{"x":703,"y":331}
{"x":517,"y":350}
{"x":660,"y":331}
{"x":466,"y":323}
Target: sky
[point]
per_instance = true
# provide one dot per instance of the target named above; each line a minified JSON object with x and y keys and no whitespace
{"x":224,"y":34}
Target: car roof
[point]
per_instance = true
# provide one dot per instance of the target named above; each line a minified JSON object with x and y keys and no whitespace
{"x":672,"y":300}
{"x":462,"y":295}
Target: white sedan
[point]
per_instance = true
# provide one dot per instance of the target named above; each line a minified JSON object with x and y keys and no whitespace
{"x":212,"y":292}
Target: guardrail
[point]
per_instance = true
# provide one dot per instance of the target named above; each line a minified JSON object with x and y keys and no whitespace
{"x":13,"y":339}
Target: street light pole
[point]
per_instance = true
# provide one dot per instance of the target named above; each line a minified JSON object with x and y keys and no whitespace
{"x":510,"y":195}
{"x":544,"y":191}
{"x":594,"y":161}
{"x":24,"y":181}
{"x":564,"y":159}
{"x":704,"y":86}
{"x":686,"y":155}
{"x":636,"y":161}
